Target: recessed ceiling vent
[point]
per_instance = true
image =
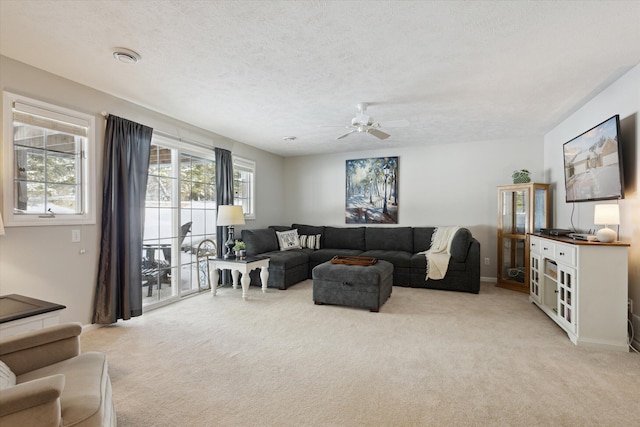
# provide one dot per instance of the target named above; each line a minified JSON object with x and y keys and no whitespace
{"x":126,"y":55}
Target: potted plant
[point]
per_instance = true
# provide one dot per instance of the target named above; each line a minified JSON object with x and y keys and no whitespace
{"x":240,"y":249}
{"x":521,"y":176}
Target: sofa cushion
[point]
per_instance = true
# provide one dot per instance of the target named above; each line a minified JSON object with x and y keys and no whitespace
{"x":324,"y":255}
{"x":83,"y":400}
{"x":288,"y":240}
{"x":459,"y":245}
{"x":389,"y":239}
{"x":419,"y":262}
{"x":344,"y":238}
{"x":260,"y":240}
{"x":310,"y":230}
{"x":397,"y":258}
{"x":287,"y":259}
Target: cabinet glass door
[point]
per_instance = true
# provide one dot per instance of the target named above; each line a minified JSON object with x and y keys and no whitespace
{"x":540,"y":212}
{"x":513,"y":259}
{"x":535,"y":277}
{"x":566,"y":297}
{"x":515,"y":205}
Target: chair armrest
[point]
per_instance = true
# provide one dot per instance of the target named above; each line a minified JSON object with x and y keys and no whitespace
{"x":33,"y":350}
{"x":32,"y":403}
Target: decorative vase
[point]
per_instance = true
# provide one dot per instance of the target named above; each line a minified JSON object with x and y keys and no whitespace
{"x":520,"y":177}
{"x":241,"y":254}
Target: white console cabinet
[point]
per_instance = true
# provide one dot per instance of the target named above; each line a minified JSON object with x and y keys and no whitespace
{"x":582,"y":286}
{"x":19,"y":314}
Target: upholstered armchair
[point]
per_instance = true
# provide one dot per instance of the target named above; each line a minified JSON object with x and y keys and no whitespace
{"x":55,"y":384}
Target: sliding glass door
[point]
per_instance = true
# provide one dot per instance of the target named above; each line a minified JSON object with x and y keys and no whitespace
{"x":180,"y":212}
{"x":198,"y":208}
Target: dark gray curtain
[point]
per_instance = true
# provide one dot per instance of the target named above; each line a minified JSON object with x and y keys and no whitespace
{"x":124,"y":184}
{"x":224,"y":196}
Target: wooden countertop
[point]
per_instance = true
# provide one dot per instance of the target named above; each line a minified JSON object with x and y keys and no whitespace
{"x":572,"y":241}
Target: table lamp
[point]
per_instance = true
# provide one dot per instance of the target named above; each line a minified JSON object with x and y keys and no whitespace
{"x":230,"y":215}
{"x":606,"y":215}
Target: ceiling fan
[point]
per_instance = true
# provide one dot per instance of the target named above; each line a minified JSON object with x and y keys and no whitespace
{"x":363,"y":123}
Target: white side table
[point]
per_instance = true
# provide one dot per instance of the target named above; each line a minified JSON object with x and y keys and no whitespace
{"x":19,"y":314}
{"x":238,"y":266}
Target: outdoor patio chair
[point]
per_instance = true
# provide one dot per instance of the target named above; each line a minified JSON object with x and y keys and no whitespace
{"x":157,"y":271}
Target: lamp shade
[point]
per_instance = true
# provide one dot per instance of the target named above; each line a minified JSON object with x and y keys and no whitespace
{"x":606,"y":215}
{"x":230,"y":215}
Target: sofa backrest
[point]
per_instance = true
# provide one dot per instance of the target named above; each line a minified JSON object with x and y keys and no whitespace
{"x":422,"y":238}
{"x":409,"y":239}
{"x":344,"y":238}
{"x":459,"y":245}
{"x":308,"y":229}
{"x":260,"y":240}
{"x":389,"y":239}
{"x":280,"y":227}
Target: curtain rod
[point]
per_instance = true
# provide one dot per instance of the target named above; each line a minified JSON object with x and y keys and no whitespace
{"x":172,"y":136}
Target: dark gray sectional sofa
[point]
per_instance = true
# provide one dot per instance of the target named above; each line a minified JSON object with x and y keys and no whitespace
{"x":398,"y":245}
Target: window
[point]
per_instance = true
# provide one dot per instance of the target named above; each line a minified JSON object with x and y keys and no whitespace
{"x":48,"y":164}
{"x":244,"y":172}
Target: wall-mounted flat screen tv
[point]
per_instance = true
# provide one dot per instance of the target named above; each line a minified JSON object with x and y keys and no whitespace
{"x":593,"y":164}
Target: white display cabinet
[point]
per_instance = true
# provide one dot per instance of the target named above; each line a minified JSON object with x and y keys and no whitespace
{"x":582,"y":286}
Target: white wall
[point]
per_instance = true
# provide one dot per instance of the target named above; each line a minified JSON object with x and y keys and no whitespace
{"x":450,"y":184}
{"x":623,"y":98}
{"x":41,"y":262}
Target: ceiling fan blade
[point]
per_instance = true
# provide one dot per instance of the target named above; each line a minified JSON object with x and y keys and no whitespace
{"x":347,"y":134}
{"x":378,"y":133}
{"x":395,"y":124}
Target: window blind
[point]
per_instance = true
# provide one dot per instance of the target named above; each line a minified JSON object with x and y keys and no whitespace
{"x":38,"y":117}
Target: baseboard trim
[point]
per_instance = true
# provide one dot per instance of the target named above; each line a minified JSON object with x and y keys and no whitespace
{"x":90,"y":327}
{"x":489,"y":279}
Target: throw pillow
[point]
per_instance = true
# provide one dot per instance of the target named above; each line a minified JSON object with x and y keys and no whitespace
{"x":7,"y":377}
{"x":311,"y":241}
{"x":288,"y":240}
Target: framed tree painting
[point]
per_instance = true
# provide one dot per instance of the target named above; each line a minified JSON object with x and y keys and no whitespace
{"x":372,"y":191}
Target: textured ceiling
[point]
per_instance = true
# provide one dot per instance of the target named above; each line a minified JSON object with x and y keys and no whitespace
{"x":256,"y":71}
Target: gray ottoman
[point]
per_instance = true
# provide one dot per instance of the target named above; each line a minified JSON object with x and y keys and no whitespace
{"x":353,"y":285}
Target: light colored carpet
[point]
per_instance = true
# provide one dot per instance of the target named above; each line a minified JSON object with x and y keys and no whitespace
{"x":428,"y":358}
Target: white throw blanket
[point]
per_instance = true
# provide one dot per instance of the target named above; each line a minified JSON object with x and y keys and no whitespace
{"x":439,"y":253}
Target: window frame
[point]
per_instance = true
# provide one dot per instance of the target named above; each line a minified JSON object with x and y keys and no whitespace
{"x":87,"y":166}
{"x":247,"y":165}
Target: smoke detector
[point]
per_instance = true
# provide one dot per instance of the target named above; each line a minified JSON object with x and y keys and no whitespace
{"x":126,"y":55}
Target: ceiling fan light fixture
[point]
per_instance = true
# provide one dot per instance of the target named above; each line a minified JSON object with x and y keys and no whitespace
{"x":125,"y":55}
{"x":363,"y":123}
